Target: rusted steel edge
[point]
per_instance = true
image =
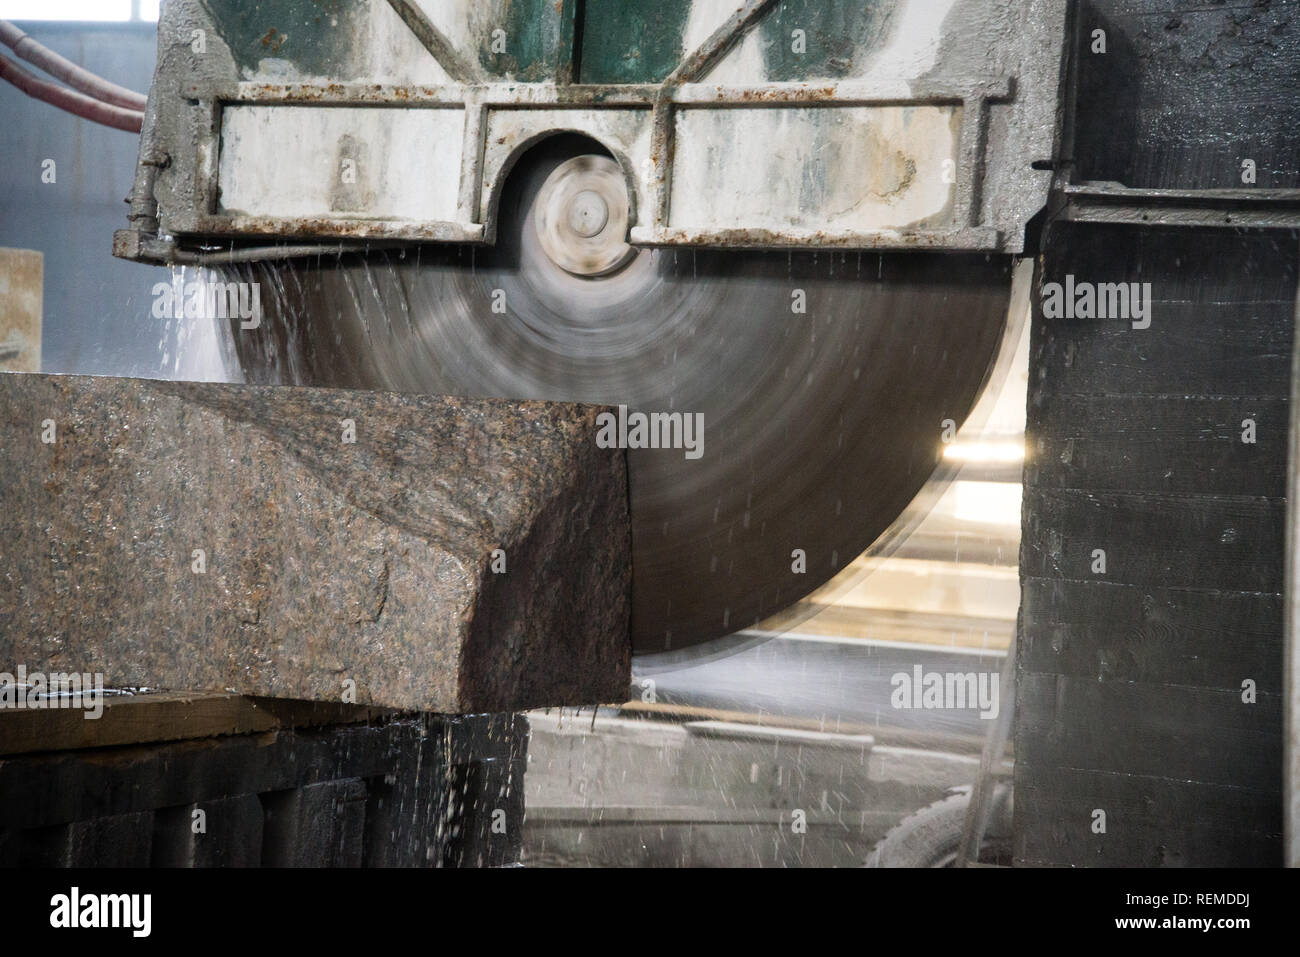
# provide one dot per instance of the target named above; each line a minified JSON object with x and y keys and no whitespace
{"x":371,"y":235}
{"x":970,"y":158}
{"x":704,"y":57}
{"x":379,"y":233}
{"x":309,"y":227}
{"x":613,"y":96}
{"x":473,"y":144}
{"x":972,"y":238}
{"x":431,"y":39}
{"x":147,"y":248}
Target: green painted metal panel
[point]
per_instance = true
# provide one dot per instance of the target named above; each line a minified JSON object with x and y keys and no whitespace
{"x":620,"y":41}
{"x":835,"y":36}
{"x":632,"y":41}
{"x":316,"y":36}
{"x":533,"y":41}
{"x":641,"y":41}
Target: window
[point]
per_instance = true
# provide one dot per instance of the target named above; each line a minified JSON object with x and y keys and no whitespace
{"x":87,"y":10}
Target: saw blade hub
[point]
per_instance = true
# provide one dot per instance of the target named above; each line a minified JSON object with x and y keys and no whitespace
{"x":582,"y":216}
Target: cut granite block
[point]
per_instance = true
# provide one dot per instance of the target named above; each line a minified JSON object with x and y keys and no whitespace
{"x":413,"y":552}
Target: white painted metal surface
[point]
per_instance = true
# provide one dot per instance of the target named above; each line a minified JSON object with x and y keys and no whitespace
{"x":322,"y":162}
{"x":904,"y":163}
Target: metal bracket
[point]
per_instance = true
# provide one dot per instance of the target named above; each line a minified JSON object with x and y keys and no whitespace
{"x":1095,"y":202}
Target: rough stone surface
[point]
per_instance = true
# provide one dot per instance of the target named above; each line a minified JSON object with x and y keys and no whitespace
{"x":326,"y":562}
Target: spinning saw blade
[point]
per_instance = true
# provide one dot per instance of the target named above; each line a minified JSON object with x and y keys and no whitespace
{"x":822,"y":377}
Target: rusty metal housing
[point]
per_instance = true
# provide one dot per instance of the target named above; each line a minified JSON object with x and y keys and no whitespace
{"x":764,"y":123}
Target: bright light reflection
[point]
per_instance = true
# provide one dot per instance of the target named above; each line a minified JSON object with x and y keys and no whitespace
{"x":114,"y":10}
{"x":985,"y":451}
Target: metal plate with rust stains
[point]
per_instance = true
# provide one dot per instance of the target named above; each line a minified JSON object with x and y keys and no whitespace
{"x":21,"y":297}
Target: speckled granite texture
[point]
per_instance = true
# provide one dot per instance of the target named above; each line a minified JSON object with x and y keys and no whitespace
{"x":328,"y":565}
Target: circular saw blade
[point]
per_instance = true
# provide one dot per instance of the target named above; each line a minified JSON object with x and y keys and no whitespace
{"x":823,"y":379}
